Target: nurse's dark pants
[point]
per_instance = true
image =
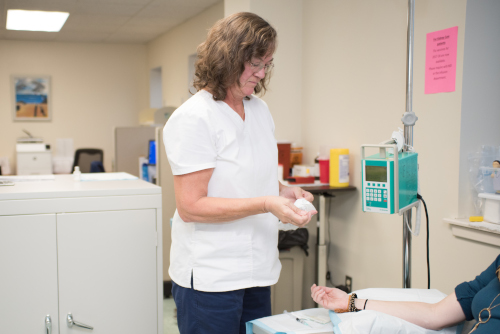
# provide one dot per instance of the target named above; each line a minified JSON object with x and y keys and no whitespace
{"x":201,"y":312}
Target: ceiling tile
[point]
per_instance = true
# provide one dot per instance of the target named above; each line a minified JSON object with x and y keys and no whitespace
{"x":29,"y":35}
{"x":81,"y":37}
{"x":86,"y":23}
{"x":116,"y":21}
{"x":48,"y":5}
{"x":99,"y":8}
{"x":142,"y":30}
{"x":3,"y":17}
{"x":130,"y":2}
{"x":140,"y":38}
{"x":161,"y":9}
{"x":160,"y":23}
{"x":169,"y":9}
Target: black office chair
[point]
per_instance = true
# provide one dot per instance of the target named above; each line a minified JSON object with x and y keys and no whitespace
{"x":86,"y":157}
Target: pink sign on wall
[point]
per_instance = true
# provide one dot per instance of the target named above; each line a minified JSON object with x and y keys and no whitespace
{"x":441,"y":61}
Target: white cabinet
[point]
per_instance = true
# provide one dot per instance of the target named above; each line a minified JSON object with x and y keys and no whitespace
{"x":89,"y":249}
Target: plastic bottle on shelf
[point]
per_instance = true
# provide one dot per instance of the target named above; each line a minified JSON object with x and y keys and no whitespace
{"x":339,"y":167}
{"x":77,"y":174}
{"x":295,"y":155}
{"x":316,"y":165}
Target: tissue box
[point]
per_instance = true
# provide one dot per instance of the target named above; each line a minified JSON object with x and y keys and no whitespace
{"x":302,"y":170}
{"x":491,"y":207}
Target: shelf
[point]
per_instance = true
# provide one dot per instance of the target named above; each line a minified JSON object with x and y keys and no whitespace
{"x":461,"y":227}
{"x":322,"y":189}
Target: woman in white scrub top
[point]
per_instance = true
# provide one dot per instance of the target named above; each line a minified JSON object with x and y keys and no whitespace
{"x":221,"y":147}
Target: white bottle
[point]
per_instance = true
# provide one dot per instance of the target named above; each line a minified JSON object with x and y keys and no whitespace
{"x":77,"y":174}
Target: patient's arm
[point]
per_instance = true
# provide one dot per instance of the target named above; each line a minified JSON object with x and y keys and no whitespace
{"x":432,"y":316}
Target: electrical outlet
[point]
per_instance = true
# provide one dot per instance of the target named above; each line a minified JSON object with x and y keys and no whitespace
{"x":348,"y":283}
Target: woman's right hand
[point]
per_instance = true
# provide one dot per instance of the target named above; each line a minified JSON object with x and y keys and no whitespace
{"x":286,"y":211}
{"x":329,"y":298}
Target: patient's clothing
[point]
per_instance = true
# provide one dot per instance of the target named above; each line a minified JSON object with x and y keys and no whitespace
{"x":478,"y":294}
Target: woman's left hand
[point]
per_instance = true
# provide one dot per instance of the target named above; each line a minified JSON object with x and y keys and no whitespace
{"x":294,"y":193}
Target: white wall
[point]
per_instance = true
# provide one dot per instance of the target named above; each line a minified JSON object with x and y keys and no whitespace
{"x":95,"y":87}
{"x":284,"y":96}
{"x":354,"y":93}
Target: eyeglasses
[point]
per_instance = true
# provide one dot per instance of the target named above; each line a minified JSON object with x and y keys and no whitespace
{"x":257,"y":67}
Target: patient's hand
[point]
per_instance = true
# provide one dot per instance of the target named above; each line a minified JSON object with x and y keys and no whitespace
{"x":329,"y":298}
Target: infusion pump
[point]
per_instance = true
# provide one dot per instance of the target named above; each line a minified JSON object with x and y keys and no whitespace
{"x":389,"y":182}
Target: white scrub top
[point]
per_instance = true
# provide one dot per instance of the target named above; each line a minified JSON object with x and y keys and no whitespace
{"x":202,"y":134}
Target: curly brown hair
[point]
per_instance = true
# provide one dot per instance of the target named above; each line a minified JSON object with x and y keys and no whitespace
{"x":230,"y":43}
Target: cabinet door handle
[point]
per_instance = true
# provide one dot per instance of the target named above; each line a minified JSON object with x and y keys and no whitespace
{"x":48,"y":324}
{"x":71,"y":322}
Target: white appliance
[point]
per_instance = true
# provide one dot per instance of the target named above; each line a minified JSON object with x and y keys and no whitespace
{"x":33,"y":158}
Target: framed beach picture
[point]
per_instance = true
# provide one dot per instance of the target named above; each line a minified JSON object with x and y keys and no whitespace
{"x":31,"y":96}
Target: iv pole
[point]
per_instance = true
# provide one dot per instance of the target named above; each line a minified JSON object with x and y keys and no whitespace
{"x":408,"y":120}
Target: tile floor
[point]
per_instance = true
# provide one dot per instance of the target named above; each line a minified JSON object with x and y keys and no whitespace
{"x":169,"y":317}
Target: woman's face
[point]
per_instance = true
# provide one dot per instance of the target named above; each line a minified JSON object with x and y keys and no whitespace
{"x":249,"y":78}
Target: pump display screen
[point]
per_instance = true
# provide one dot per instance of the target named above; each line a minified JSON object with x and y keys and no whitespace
{"x":376,"y":173}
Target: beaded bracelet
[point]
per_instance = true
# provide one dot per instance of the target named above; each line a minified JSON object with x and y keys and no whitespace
{"x":343,"y":310}
{"x":352,"y":305}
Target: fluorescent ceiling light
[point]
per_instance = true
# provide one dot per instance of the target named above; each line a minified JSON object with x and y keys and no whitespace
{"x":34,"y":20}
